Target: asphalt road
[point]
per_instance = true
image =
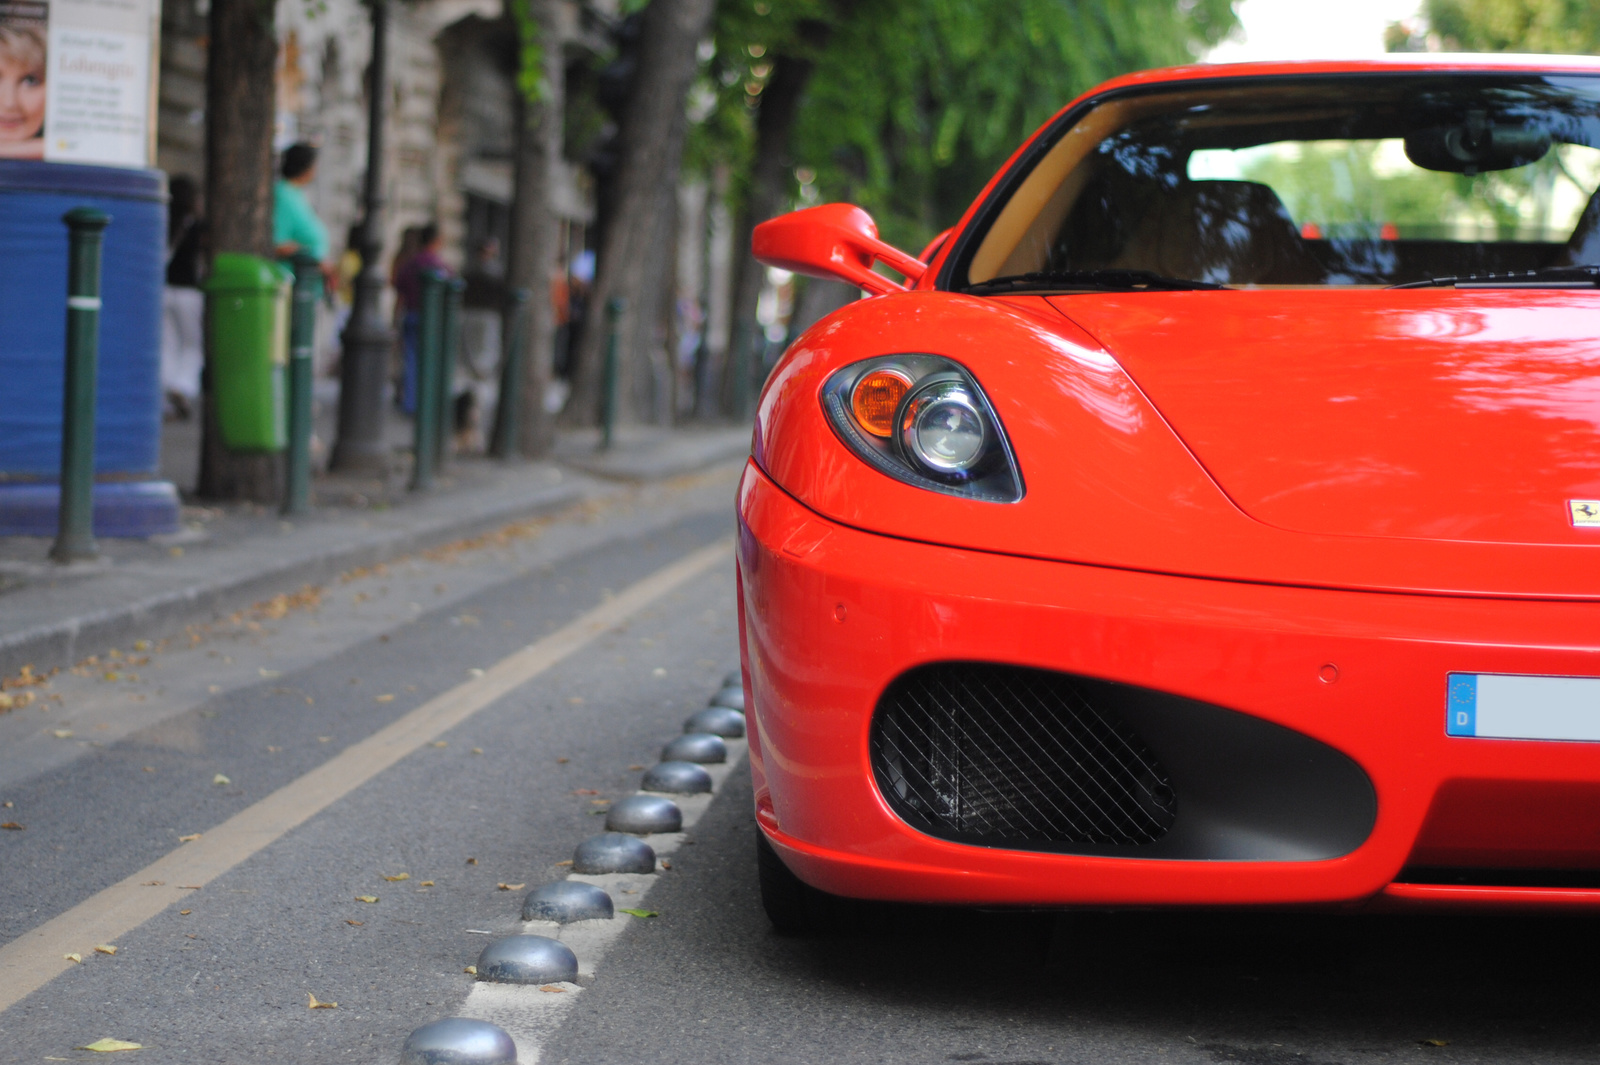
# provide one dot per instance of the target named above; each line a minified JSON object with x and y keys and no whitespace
{"x":505,"y":795}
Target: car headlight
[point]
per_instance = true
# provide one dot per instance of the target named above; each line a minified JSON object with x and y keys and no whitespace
{"x":922,"y":419}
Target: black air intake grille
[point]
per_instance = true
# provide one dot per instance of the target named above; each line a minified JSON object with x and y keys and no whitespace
{"x":1015,"y":757}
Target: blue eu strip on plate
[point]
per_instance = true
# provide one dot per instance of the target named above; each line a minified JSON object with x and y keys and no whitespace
{"x":1505,"y":706}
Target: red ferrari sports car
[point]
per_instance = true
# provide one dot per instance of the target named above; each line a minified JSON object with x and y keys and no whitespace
{"x":1211,"y":517}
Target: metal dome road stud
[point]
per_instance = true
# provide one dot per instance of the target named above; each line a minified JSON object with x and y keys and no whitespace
{"x":722,"y":721}
{"x":731,"y":696}
{"x":677,"y":778}
{"x":566,"y":901}
{"x":644,"y":814}
{"x":700,"y":747}
{"x":459,"y":1041}
{"x":527,"y":960}
{"x":613,"y":852}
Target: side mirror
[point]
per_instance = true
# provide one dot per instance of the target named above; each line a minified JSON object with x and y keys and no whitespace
{"x":836,"y":241}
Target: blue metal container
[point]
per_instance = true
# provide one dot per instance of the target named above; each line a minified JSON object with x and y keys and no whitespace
{"x":33,"y":284}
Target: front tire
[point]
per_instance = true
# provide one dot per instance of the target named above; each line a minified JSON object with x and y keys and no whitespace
{"x":784,"y":896}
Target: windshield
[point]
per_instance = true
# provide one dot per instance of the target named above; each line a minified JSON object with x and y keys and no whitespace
{"x":1347,"y":180}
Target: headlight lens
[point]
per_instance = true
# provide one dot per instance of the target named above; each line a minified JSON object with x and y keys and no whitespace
{"x":922,"y":419}
{"x":942,"y":428}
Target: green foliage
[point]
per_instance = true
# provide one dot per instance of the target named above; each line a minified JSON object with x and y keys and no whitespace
{"x":1554,"y":26}
{"x":530,"y":52}
{"x":916,"y":103}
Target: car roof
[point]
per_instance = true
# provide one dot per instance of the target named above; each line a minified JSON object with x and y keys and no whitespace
{"x":1443,"y":62}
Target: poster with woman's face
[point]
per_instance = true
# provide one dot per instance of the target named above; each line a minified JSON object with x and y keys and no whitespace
{"x":76,"y":80}
{"x":24,"y":36}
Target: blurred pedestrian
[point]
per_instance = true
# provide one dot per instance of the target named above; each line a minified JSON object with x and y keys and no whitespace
{"x":182,"y":302}
{"x":296,"y":229}
{"x":408,"y":289}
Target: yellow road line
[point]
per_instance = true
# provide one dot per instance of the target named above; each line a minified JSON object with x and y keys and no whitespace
{"x":38,"y":956}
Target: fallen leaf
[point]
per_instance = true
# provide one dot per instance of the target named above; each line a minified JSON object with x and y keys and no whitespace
{"x":108,"y":1046}
{"x":274,"y":750}
{"x":149,"y":769}
{"x":471,"y":970}
{"x":219,"y":779}
{"x":61,"y":733}
{"x":141,"y":645}
{"x":314,"y":1004}
{"x":511,"y":887}
{"x":474,"y":672}
{"x":576,"y":700}
{"x":553,"y":989}
{"x":567,"y":862}
{"x":599,"y":802}
{"x":155,"y":883}
{"x":635,"y":768}
{"x":189,"y":887}
{"x":426,"y":883}
{"x":472,"y":861}
{"x":13,"y":826}
{"x":1434,"y":1042}
{"x":584,"y":791}
{"x":213,"y":688}
{"x":113,"y":676}
{"x":269,"y":674}
{"x":324,"y":739}
{"x":383,"y":699}
{"x":184,"y":913}
{"x":562,"y":761}
{"x":440,"y":743}
{"x":74,"y":957}
{"x":366,"y":898}
{"x":189,"y":838}
{"x":398,"y":877}
{"x":639,"y":913}
{"x":105,"y":948}
{"x":665,"y":864}
{"x":477,"y":750}
{"x":357,"y":924}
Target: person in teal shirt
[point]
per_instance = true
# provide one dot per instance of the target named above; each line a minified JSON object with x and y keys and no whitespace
{"x":295,"y":225}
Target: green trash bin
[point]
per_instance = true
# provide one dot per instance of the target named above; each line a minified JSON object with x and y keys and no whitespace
{"x":247,"y":311}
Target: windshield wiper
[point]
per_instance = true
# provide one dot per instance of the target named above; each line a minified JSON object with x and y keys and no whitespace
{"x":1102,"y":280}
{"x":1548,"y":277}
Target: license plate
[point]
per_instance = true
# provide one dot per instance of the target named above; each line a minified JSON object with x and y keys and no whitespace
{"x":1505,"y":706}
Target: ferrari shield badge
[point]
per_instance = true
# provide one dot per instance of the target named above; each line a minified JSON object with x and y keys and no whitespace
{"x":1585,"y":512}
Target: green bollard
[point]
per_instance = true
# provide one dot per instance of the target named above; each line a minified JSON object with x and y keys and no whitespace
{"x":75,"y":533}
{"x":608,"y":383}
{"x":508,"y":410}
{"x":425,"y":446}
{"x":302,"y":337}
{"x":449,"y":354}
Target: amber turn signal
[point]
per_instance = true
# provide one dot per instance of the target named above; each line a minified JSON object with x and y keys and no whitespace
{"x":875,"y":399}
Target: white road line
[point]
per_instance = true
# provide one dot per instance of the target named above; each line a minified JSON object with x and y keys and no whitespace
{"x":36,"y":957}
{"x":531,"y":1016}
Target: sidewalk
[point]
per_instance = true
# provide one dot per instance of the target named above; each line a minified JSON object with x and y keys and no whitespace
{"x":227,"y":557}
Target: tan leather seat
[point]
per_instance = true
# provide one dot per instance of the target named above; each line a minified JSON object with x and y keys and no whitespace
{"x":1234,"y":232}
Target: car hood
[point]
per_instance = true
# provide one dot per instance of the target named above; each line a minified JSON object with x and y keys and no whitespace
{"x":1433,"y":414}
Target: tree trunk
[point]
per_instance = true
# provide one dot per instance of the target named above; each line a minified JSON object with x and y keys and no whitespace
{"x":239,"y":119}
{"x":536,"y":232}
{"x":720,"y":254}
{"x":650,"y":146}
{"x":780,"y":101}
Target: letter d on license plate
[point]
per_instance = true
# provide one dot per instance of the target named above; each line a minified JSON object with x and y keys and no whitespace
{"x":1504,"y":706}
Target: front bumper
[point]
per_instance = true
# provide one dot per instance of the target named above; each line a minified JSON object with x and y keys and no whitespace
{"x":830,"y":616}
